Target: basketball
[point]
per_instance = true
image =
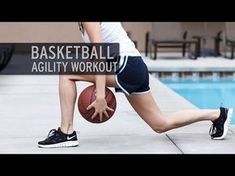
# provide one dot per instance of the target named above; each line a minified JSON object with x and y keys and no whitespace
{"x":87,"y":96}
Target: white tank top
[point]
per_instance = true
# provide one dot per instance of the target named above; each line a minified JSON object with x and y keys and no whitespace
{"x":113,"y":32}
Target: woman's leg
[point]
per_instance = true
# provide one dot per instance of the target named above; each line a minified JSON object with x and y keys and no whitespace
{"x":147,"y":108}
{"x":68,"y":95}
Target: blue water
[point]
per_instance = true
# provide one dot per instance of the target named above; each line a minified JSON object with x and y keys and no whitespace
{"x":205,"y":92}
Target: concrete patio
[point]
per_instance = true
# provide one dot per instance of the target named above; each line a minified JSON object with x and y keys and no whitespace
{"x":29,"y":108}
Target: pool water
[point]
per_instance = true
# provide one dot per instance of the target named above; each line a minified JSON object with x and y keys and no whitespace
{"x":205,"y":92}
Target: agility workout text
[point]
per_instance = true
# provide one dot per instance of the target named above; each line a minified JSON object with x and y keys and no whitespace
{"x":72,"y":59}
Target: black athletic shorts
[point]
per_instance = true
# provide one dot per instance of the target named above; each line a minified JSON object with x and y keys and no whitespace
{"x":132,"y":77}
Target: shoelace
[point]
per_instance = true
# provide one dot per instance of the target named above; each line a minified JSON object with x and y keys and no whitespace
{"x":213,"y":129}
{"x":51,"y":133}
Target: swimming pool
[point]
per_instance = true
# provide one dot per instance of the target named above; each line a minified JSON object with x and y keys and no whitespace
{"x":205,"y":92}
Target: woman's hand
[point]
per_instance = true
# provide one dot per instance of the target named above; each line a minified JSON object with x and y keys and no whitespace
{"x":101,"y":108}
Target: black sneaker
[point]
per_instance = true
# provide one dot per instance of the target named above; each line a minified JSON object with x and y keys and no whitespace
{"x":219,"y":127}
{"x":56,"y":138}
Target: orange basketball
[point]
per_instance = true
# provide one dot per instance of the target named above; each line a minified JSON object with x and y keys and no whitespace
{"x":87,"y":96}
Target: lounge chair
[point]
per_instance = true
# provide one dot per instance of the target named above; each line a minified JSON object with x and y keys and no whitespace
{"x":170,"y":35}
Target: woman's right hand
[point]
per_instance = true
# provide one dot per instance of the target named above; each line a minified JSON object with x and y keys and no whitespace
{"x":101,"y":108}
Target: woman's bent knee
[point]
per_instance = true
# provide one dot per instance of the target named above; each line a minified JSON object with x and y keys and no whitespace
{"x":160,"y":128}
{"x":64,"y":78}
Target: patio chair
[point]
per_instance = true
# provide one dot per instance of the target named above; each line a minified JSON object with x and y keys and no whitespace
{"x":217,"y":40}
{"x":169,"y":35}
{"x":6,"y":51}
{"x":229,"y":38}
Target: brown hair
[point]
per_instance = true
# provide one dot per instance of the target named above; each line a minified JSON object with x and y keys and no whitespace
{"x":81,"y":28}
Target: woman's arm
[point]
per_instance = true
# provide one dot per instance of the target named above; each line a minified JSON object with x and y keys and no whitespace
{"x":94,"y":33}
{"x":93,"y":30}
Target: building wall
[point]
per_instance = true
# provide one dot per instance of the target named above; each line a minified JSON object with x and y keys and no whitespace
{"x":138,"y":31}
{"x":39,"y":32}
{"x":69,"y":32}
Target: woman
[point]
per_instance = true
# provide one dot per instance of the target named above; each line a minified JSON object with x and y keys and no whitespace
{"x":137,"y":92}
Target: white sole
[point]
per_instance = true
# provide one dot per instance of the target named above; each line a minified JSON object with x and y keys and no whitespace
{"x":60,"y":145}
{"x":226,"y":124}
